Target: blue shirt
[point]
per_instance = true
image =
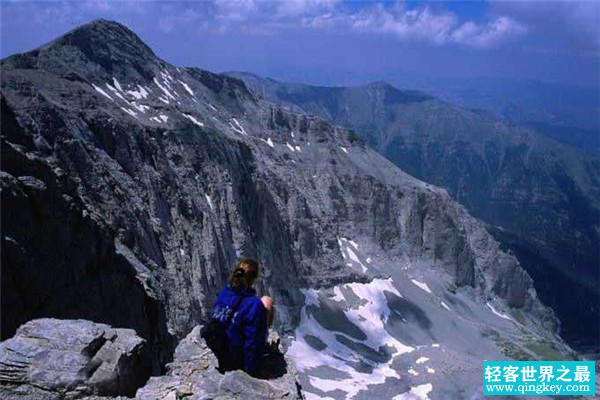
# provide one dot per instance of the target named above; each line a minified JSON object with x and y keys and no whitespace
{"x":247,"y":330}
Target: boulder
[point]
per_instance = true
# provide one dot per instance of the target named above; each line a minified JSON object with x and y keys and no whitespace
{"x":193,"y":375}
{"x":51,"y":359}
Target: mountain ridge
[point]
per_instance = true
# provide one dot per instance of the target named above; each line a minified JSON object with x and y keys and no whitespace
{"x":518,"y":181}
{"x":127,"y":199}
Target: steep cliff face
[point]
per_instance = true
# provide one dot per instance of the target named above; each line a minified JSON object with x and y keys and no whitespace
{"x":130,"y":187}
{"x":539,"y":197}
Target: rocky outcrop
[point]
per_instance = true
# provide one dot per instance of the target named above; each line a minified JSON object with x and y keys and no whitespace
{"x":98,"y":278}
{"x":67,"y":359}
{"x":71,"y":359}
{"x":193,"y":374}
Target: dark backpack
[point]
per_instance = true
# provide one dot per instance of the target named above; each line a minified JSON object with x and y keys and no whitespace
{"x":215,"y":335}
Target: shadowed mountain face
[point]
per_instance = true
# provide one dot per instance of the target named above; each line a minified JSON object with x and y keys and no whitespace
{"x":568,"y":114}
{"x":131,"y":186}
{"x":540,"y":198}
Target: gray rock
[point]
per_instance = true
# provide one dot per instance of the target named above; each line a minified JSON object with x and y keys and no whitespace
{"x":193,"y":374}
{"x":50,"y":358}
{"x":519,"y":182}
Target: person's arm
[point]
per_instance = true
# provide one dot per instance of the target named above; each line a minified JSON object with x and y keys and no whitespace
{"x":255,"y":334}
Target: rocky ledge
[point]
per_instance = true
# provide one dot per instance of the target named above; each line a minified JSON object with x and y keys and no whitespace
{"x":193,"y":375}
{"x":73,"y":359}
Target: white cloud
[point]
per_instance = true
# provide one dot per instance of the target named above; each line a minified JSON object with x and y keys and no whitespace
{"x":236,"y":10}
{"x":171,"y":22}
{"x":488,"y":35}
{"x":415,"y":24}
{"x":304,"y":7}
{"x":571,"y":25}
{"x":422,"y":24}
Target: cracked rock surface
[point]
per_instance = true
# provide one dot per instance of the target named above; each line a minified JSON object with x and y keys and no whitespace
{"x":193,"y":374}
{"x":51,"y":359}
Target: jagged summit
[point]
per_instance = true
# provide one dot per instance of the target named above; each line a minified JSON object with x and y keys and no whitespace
{"x":98,"y":48}
{"x":104,"y":38}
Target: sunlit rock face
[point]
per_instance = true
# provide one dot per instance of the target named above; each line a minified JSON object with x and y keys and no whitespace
{"x":540,"y":198}
{"x":57,"y":359}
{"x":131,"y":186}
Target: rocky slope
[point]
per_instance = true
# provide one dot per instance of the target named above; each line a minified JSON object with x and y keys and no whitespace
{"x":130,"y":186}
{"x":540,"y":198}
{"x":193,"y":374}
{"x":71,"y":359}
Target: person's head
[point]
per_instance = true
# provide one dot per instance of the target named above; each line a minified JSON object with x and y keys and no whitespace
{"x":244,"y":274}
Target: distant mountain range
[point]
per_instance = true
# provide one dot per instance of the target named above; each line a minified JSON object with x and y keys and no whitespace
{"x":540,"y":198}
{"x":567,"y":113}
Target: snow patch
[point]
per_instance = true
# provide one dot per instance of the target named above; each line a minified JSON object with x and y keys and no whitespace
{"x":194,"y":120}
{"x":270,"y":142}
{"x":298,"y":149}
{"x":346,"y":246}
{"x":239,"y":128}
{"x":102,"y":92}
{"x":130,"y":112}
{"x":289,"y":146}
{"x":430,"y":370}
{"x":446,"y":306}
{"x":209,"y":201}
{"x":413,"y":372}
{"x":117,"y":84}
{"x":116,"y":92}
{"x":311,"y":297}
{"x":421,"y":360}
{"x":345,"y":150}
{"x":312,"y":396}
{"x":354,"y":258}
{"x":420,"y":392}
{"x":186,"y":87}
{"x":139,"y":94}
{"x":140,"y":107}
{"x":498,"y":313}
{"x":369,"y":314}
{"x":166,"y":76}
{"x":164,"y":89}
{"x":163,"y":117}
{"x":421,"y":285}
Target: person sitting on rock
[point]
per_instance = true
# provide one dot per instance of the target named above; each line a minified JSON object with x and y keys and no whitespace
{"x":247,"y":328}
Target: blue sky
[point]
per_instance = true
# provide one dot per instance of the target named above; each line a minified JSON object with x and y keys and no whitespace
{"x":339,"y":42}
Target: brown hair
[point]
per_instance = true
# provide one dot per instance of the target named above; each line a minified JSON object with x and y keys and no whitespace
{"x":244,"y":274}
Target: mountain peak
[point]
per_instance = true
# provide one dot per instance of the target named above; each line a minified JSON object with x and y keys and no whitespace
{"x":90,"y":48}
{"x":101,"y":34}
